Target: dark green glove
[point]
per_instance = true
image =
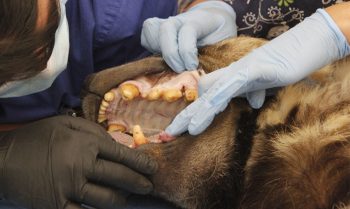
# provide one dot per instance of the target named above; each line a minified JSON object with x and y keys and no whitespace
{"x":63,"y":162}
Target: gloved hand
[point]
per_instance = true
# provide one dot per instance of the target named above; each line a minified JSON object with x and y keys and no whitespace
{"x":177,"y":38}
{"x":63,"y":162}
{"x":310,"y":45}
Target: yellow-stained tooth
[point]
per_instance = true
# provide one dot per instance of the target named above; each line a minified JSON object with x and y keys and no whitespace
{"x":109,"y":96}
{"x":139,"y":137}
{"x":191,"y":95}
{"x":129,"y":91}
{"x":104,"y":103}
{"x":116,"y":127}
{"x":101,"y":118}
{"x":172,"y":95}
{"x":154,"y":94}
{"x":103,"y":108}
{"x":101,"y":112}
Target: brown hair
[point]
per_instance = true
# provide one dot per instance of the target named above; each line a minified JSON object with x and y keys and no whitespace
{"x":24,"y":50}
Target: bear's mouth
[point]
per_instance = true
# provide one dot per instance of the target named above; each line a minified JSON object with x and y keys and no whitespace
{"x":137,"y":111}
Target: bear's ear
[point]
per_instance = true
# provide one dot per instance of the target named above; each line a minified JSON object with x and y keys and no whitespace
{"x":97,"y":84}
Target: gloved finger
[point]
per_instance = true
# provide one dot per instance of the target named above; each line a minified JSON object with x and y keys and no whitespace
{"x":198,"y":125}
{"x":82,"y":125}
{"x":140,"y":162}
{"x":180,"y":123}
{"x":204,"y":117}
{"x":120,"y":176}
{"x":71,"y":205}
{"x":256,"y":98}
{"x":226,"y":88}
{"x":206,"y":29}
{"x":102,"y":197}
{"x":168,"y":38}
{"x":188,"y":46}
{"x":208,"y":80}
{"x":150,"y":34}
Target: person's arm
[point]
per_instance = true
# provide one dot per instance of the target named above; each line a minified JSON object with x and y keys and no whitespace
{"x":317,"y":41}
{"x":340,"y":13}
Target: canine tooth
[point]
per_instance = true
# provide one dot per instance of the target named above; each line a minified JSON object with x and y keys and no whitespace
{"x":172,"y":95}
{"x":129,"y":91}
{"x":109,"y":96}
{"x":101,"y":118}
{"x":191,"y":95}
{"x":116,"y":127}
{"x":104,"y":103}
{"x":139,"y":137}
{"x":154,"y":94}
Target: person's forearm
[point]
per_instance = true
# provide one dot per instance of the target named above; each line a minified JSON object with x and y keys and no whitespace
{"x":340,"y":13}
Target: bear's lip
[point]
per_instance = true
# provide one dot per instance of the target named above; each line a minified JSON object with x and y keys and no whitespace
{"x":128,"y":140}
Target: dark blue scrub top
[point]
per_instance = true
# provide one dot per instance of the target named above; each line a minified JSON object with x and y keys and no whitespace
{"x":103,"y":33}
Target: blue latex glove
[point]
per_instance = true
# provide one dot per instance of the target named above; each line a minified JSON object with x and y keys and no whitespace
{"x":310,"y":45}
{"x":178,"y":37}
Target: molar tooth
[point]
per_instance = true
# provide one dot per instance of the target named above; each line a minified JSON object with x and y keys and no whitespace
{"x":191,"y":95}
{"x":104,"y":104}
{"x":109,"y":96}
{"x":139,"y":137}
{"x":101,"y":118}
{"x":129,"y":91}
{"x":101,"y":112}
{"x":172,"y":95}
{"x":154,"y":94}
{"x":116,"y":127}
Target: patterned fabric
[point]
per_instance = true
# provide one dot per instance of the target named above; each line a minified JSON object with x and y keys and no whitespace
{"x":270,"y":18}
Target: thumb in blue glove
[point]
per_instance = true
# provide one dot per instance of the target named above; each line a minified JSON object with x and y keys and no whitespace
{"x":178,"y":37}
{"x":310,"y":45}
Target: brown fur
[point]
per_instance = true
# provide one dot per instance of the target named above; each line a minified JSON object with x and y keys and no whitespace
{"x":301,"y":154}
{"x":293,"y":153}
